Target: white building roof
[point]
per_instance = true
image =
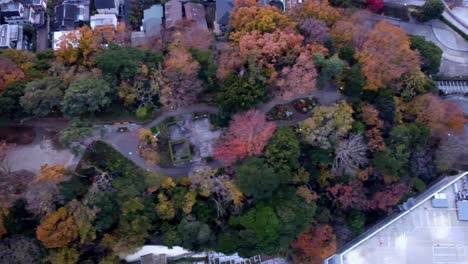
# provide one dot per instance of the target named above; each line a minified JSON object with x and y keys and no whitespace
{"x":103,"y":20}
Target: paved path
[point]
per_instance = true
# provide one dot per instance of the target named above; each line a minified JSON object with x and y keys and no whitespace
{"x":127,"y":143}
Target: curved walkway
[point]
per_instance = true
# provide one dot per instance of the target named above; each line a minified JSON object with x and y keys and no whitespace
{"x":127,"y":143}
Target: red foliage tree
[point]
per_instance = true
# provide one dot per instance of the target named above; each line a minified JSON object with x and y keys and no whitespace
{"x":388,"y":197}
{"x":440,"y":115}
{"x":314,"y":245}
{"x":375,"y":5}
{"x":247,"y":135}
{"x":349,"y":195}
{"x":9,"y":71}
{"x":270,"y":46}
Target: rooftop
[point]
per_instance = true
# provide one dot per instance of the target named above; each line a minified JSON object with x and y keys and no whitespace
{"x":223,"y":9}
{"x":152,"y":20}
{"x":173,"y":12}
{"x":421,"y":234}
{"x":99,"y":20}
{"x":196,"y":13}
{"x":104,"y":4}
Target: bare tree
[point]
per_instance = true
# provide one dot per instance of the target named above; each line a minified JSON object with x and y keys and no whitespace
{"x":20,"y":249}
{"x":42,"y":198}
{"x":350,"y":155}
{"x":314,"y":30}
{"x":453,"y":150}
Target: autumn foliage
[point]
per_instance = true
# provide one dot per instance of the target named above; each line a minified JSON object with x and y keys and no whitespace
{"x":386,"y":56}
{"x":79,"y":47}
{"x":55,"y":173}
{"x":148,"y":146}
{"x":388,"y":197}
{"x":375,"y":5}
{"x":297,"y":79}
{"x":440,"y":115}
{"x":320,"y":10}
{"x":247,"y":135}
{"x":314,"y":245}
{"x":57,"y":229}
{"x":370,"y":116}
{"x":9,"y":72}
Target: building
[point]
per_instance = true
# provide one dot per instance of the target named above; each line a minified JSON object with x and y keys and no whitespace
{"x":101,"y":20}
{"x":153,"y":20}
{"x":58,"y":38}
{"x":223,"y":11}
{"x":432,"y":228}
{"x":196,"y":13}
{"x":172,"y":13}
{"x":107,"y":6}
{"x":66,"y":16}
{"x":17,"y":13}
{"x":11,"y":36}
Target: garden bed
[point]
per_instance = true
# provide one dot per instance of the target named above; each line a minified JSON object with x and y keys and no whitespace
{"x":280,"y":112}
{"x":305,"y":105}
{"x":180,"y":152}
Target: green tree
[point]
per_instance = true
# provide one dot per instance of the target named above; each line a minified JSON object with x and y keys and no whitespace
{"x":42,"y":96}
{"x":194,"y":234}
{"x":261,"y":227}
{"x":64,"y":255}
{"x":208,"y":67}
{"x":108,"y":214}
{"x":392,"y":160}
{"x":431,"y":54}
{"x":283,"y":151}
{"x":330,"y":68}
{"x":412,"y":136}
{"x":255,"y":178}
{"x":86,"y":96}
{"x":74,"y":135}
{"x":346,"y":53}
{"x":355,"y":81}
{"x":239,"y":95}
{"x":119,"y":62}
{"x":430,"y":10}
{"x":356,"y":220}
{"x":10,"y":99}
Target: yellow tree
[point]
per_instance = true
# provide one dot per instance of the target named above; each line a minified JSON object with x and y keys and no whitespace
{"x":248,"y":16}
{"x":55,"y":173}
{"x":386,"y":55}
{"x":148,"y":147}
{"x":78,"y":47}
{"x":57,"y":229}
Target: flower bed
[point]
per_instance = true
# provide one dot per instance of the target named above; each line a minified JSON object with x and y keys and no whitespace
{"x":279,"y":112}
{"x":305,"y":105}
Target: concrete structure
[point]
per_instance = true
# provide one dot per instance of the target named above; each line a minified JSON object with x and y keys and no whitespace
{"x":153,"y":20}
{"x":223,"y":10}
{"x":453,"y":87}
{"x":107,"y":6}
{"x":100,"y":20}
{"x":11,"y":36}
{"x":58,"y":38}
{"x":196,"y":13}
{"x":420,"y":234}
{"x":172,"y":13}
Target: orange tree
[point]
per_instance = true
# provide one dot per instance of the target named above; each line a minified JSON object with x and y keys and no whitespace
{"x":57,"y":229}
